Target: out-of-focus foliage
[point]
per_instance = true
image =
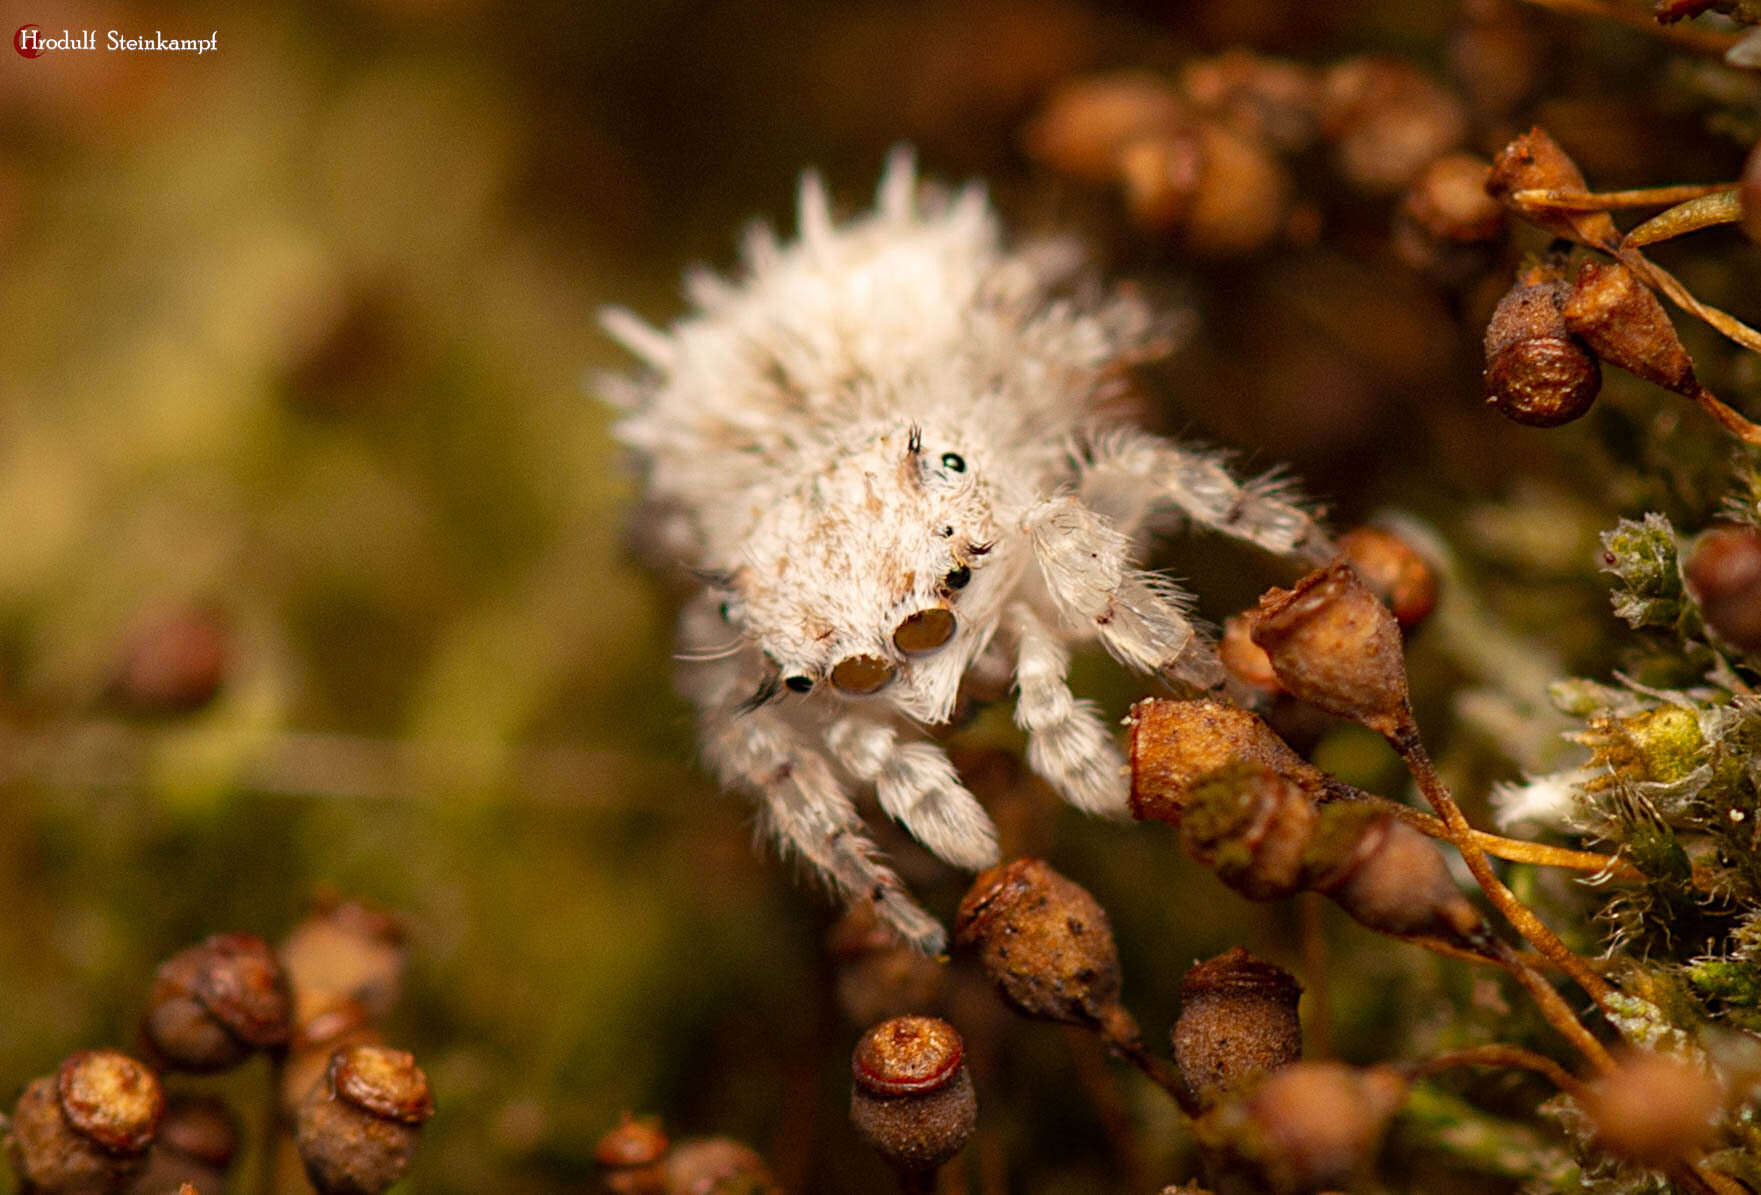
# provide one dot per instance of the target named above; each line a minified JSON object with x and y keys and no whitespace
{"x":314,"y":566}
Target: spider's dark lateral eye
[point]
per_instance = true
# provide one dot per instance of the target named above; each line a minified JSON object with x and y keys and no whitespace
{"x":800,"y":684}
{"x":954,"y":461}
{"x":958,"y":578}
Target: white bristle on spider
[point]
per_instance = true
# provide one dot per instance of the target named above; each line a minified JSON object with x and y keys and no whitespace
{"x":887,"y":450}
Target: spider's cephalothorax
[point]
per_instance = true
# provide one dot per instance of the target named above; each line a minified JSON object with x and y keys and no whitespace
{"x":887,"y":451}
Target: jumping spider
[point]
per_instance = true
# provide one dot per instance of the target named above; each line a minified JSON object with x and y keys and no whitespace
{"x":887,"y":452}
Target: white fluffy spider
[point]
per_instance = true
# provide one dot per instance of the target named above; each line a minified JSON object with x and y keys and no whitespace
{"x":886,"y":451}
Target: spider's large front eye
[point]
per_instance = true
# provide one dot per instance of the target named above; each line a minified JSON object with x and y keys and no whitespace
{"x":959,"y":578}
{"x":861,"y":675}
{"x":953,"y":462}
{"x":925,"y":630}
{"x":801,"y":684}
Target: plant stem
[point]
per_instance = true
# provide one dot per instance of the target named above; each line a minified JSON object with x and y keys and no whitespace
{"x":1607,"y":201}
{"x":1119,"y":1029}
{"x":1515,"y":849}
{"x":1497,"y":1054}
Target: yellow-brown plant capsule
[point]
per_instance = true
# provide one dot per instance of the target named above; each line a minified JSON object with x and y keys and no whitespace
{"x":1271,"y":100}
{"x":1388,"y":121}
{"x":1238,"y":1023}
{"x":344,"y":952}
{"x":876,"y":974}
{"x":1245,"y":660}
{"x":1310,"y":1126}
{"x":1537,"y":372}
{"x":1625,"y":324}
{"x":88,"y":1128}
{"x":1653,"y":1108}
{"x":1043,"y":941}
{"x":357,"y":1131}
{"x":1535,"y":162}
{"x":1723,"y":573}
{"x":631,"y":1157}
{"x":1335,"y":645}
{"x":717,"y":1166}
{"x":1749,"y":193}
{"x":1086,"y":123}
{"x":1388,"y":876}
{"x":214,"y":1003}
{"x":195,"y":1145}
{"x":911,"y":1096}
{"x":1252,"y":826}
{"x":1175,"y":744}
{"x":1390,"y":566}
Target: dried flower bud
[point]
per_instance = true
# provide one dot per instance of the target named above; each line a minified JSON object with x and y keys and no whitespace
{"x":197,"y":1140}
{"x":1175,"y":744}
{"x":1388,"y":876}
{"x":174,"y":663}
{"x":1623,"y":323}
{"x":1311,"y":1126}
{"x":632,"y":1158}
{"x":1535,"y":162}
{"x":1251,"y":825}
{"x":878,"y":975}
{"x":214,"y":1003}
{"x":1273,"y":100}
{"x":345,"y":951}
{"x":1654,"y":1109}
{"x":358,"y":1129}
{"x":912,"y":1098}
{"x":88,"y":1128}
{"x":717,"y":1166}
{"x":1749,"y":194}
{"x":1237,"y":1023}
{"x":1388,"y":121}
{"x":1086,"y":123}
{"x":1390,"y":566}
{"x":1537,"y":372}
{"x":1245,"y":660}
{"x":1043,"y":941}
{"x":1723,"y":572}
{"x":1335,"y":645}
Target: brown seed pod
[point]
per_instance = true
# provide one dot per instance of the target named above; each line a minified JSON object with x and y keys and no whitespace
{"x":1251,"y":825}
{"x":214,"y":1003}
{"x":1654,"y":1109}
{"x":1270,"y":100}
{"x":911,"y":1097}
{"x":1537,"y":372}
{"x":1237,"y":1023}
{"x":88,"y":1128}
{"x":1335,"y":645}
{"x":1086,"y":123}
{"x":1311,"y":1126}
{"x":1043,"y":941}
{"x":717,"y":1166}
{"x":344,"y":952}
{"x":1175,"y":744}
{"x":1388,"y":876}
{"x":197,"y":1140}
{"x":1446,"y":224}
{"x":1535,"y":162}
{"x":308,"y":1054}
{"x":876,"y":975}
{"x":1723,"y":573}
{"x":357,"y":1131}
{"x":1388,"y":121}
{"x":1390,"y":566}
{"x":1623,"y":323}
{"x":632,"y":1157}
{"x":1496,"y":57}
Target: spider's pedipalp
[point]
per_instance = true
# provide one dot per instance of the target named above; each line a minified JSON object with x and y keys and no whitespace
{"x":917,"y":786}
{"x":1067,"y":743}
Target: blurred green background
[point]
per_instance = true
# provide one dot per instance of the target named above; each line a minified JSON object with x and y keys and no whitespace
{"x":314,"y":571}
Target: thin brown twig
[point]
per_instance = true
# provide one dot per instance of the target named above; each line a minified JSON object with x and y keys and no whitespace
{"x":1607,"y":201}
{"x":1515,"y":850}
{"x":1689,"y":37}
{"x":1502,"y":1056}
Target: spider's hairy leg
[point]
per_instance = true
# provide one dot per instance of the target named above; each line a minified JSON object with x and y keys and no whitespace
{"x":917,"y":785}
{"x":1130,"y":474}
{"x":800,"y":801}
{"x":1067,"y":743}
{"x":1086,"y":564}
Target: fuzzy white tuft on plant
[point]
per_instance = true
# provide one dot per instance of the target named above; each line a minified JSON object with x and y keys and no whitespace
{"x":888,"y":453}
